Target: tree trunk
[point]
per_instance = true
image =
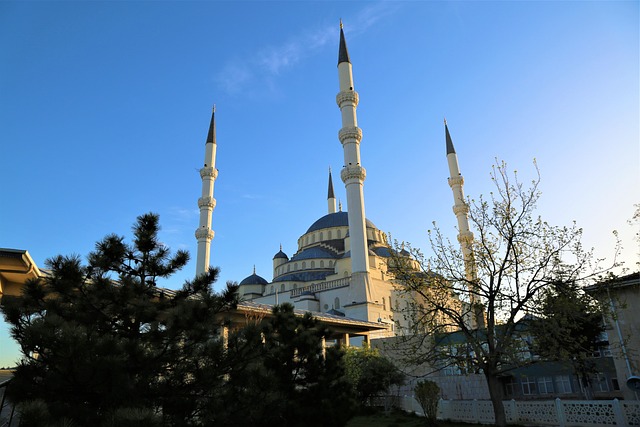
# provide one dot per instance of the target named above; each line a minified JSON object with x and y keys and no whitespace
{"x":495,"y":392}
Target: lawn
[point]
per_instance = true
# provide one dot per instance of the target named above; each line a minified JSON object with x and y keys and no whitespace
{"x":396,"y":419}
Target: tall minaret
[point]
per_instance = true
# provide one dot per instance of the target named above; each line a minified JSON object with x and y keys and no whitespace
{"x":353,"y":174}
{"x":331,"y":198}
{"x":465,"y":236}
{"x":206,"y":203}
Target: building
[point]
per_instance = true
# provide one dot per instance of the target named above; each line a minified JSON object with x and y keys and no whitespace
{"x":341,"y":262}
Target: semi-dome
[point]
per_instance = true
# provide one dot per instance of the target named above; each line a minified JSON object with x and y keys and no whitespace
{"x":254,"y":279}
{"x":336,"y":219}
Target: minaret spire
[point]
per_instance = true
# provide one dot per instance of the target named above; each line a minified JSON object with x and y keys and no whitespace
{"x":331,"y":198}
{"x":206,"y":203}
{"x":353,"y":174}
{"x":465,"y":236}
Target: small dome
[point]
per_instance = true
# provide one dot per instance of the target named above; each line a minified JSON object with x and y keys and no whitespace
{"x":254,"y":279}
{"x":280,"y":255}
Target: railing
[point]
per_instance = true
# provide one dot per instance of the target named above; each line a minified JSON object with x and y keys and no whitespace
{"x":322,"y":286}
{"x":563,"y":413}
{"x":6,"y":408}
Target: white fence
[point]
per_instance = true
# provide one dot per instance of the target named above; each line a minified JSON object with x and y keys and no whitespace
{"x":567,"y":413}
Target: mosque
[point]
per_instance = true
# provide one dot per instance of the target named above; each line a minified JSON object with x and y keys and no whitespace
{"x":341,"y":265}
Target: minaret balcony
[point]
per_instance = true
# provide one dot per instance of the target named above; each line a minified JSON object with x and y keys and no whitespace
{"x":204,"y":234}
{"x":352,"y":173}
{"x":349,"y":134}
{"x":209,"y":172}
{"x":350,"y":97}
{"x":207,"y":202}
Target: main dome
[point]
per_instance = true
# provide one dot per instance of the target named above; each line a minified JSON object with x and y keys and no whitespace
{"x":336,"y":219}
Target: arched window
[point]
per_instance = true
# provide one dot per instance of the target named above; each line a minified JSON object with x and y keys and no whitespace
{"x":313,"y":238}
{"x":321,"y":263}
{"x":313,"y":264}
{"x":306,"y":240}
{"x":346,"y":274}
{"x":384,"y":303}
{"x":321,"y":236}
{"x":304,"y":265}
{"x":295,"y":286}
{"x":338,"y":233}
{"x":329,"y":234}
{"x":282,"y":288}
{"x":295,"y":266}
{"x":336,"y":303}
{"x":272,"y":289}
{"x":288,"y":268}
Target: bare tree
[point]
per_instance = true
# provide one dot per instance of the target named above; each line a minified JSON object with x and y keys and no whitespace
{"x":516,"y":255}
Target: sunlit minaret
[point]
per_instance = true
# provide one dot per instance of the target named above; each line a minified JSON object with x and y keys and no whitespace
{"x":331,"y":198}
{"x":465,"y":236}
{"x":353,"y":174}
{"x":206,"y":203}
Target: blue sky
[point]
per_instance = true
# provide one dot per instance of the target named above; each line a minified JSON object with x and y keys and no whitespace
{"x":104,"y":110}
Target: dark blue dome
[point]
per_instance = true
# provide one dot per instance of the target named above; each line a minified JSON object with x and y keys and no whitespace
{"x":336,"y":219}
{"x":314,"y":252}
{"x":254,"y":279}
{"x":280,"y":254}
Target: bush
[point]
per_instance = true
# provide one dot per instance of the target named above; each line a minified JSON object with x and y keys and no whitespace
{"x":428,"y":395}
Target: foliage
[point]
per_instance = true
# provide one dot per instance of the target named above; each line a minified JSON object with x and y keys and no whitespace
{"x":102,"y":345}
{"x":569,"y":329}
{"x":428,"y":395}
{"x":515,"y":256}
{"x":288,"y":379}
{"x":370,"y":373}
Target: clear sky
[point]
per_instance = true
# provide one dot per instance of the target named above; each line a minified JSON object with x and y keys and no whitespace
{"x":105,"y":106}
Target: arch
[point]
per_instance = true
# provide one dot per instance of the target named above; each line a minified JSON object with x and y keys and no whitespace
{"x":295,"y":286}
{"x":295,"y":266}
{"x":329,"y":234}
{"x":321,"y":237}
{"x":321,"y":263}
{"x":346,"y":273}
{"x":288,"y":268}
{"x":282,"y":288}
{"x":313,"y":264}
{"x":304,"y":265}
{"x":339,"y":234}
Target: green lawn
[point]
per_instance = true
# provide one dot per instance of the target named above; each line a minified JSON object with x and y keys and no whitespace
{"x":396,"y":419}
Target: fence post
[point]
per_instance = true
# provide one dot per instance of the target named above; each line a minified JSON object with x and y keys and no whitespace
{"x":560,"y":412}
{"x":617,"y":410}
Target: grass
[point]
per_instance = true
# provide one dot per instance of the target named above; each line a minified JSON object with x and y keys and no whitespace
{"x":396,"y":419}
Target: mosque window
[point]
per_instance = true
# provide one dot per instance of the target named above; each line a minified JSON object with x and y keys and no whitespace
{"x":304,"y":265}
{"x":282,"y":288}
{"x":313,"y":264}
{"x":295,"y":266}
{"x":336,"y":303}
{"x":329,"y":234}
{"x":313,"y":238}
{"x":272,"y":289}
{"x":321,"y":263}
{"x":346,"y":274}
{"x":338,"y":233}
{"x":306,"y":240}
{"x":295,"y":286}
{"x":384,"y":303}
{"x":288,"y":268}
{"x":321,"y":236}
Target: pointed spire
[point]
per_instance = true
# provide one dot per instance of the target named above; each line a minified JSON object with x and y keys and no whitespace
{"x":212,"y":127}
{"x":343,"y":53}
{"x":340,"y":205}
{"x":330,"y":195}
{"x":450,"y":149}
{"x":254,"y":269}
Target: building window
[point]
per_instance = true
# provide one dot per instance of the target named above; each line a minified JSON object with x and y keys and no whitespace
{"x":295,"y":266}
{"x":321,"y":236}
{"x":321,"y":264}
{"x":338,"y":233}
{"x":545,"y":385}
{"x":288,"y":268}
{"x":510,"y":387}
{"x":336,"y":303}
{"x":313,"y":264}
{"x":329,"y":234}
{"x":615,"y":384}
{"x":304,"y":265}
{"x":384,"y":303}
{"x":528,"y":386}
{"x":295,"y":286}
{"x":282,"y":288}
{"x":563,"y":384}
{"x":600,"y":382}
{"x":272,"y":289}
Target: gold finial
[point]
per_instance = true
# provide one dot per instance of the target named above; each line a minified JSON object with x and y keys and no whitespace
{"x":445,"y":121}
{"x":340,"y":23}
{"x":214,"y":108}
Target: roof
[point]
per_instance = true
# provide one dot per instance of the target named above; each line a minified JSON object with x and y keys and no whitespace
{"x":343,"y":53}
{"x":314,"y":252}
{"x":450,"y":149}
{"x":254,"y":279}
{"x":336,"y":219}
{"x":280,"y":254}
{"x":211,"y":137}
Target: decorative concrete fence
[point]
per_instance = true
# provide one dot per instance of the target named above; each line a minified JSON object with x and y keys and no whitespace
{"x":563,"y":413}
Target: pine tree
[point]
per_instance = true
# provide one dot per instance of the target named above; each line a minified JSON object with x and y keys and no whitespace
{"x":102,"y":344}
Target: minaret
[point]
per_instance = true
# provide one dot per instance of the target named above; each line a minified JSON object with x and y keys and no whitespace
{"x":206,"y":203}
{"x":465,"y":236}
{"x":353,"y":174}
{"x":331,"y":198}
